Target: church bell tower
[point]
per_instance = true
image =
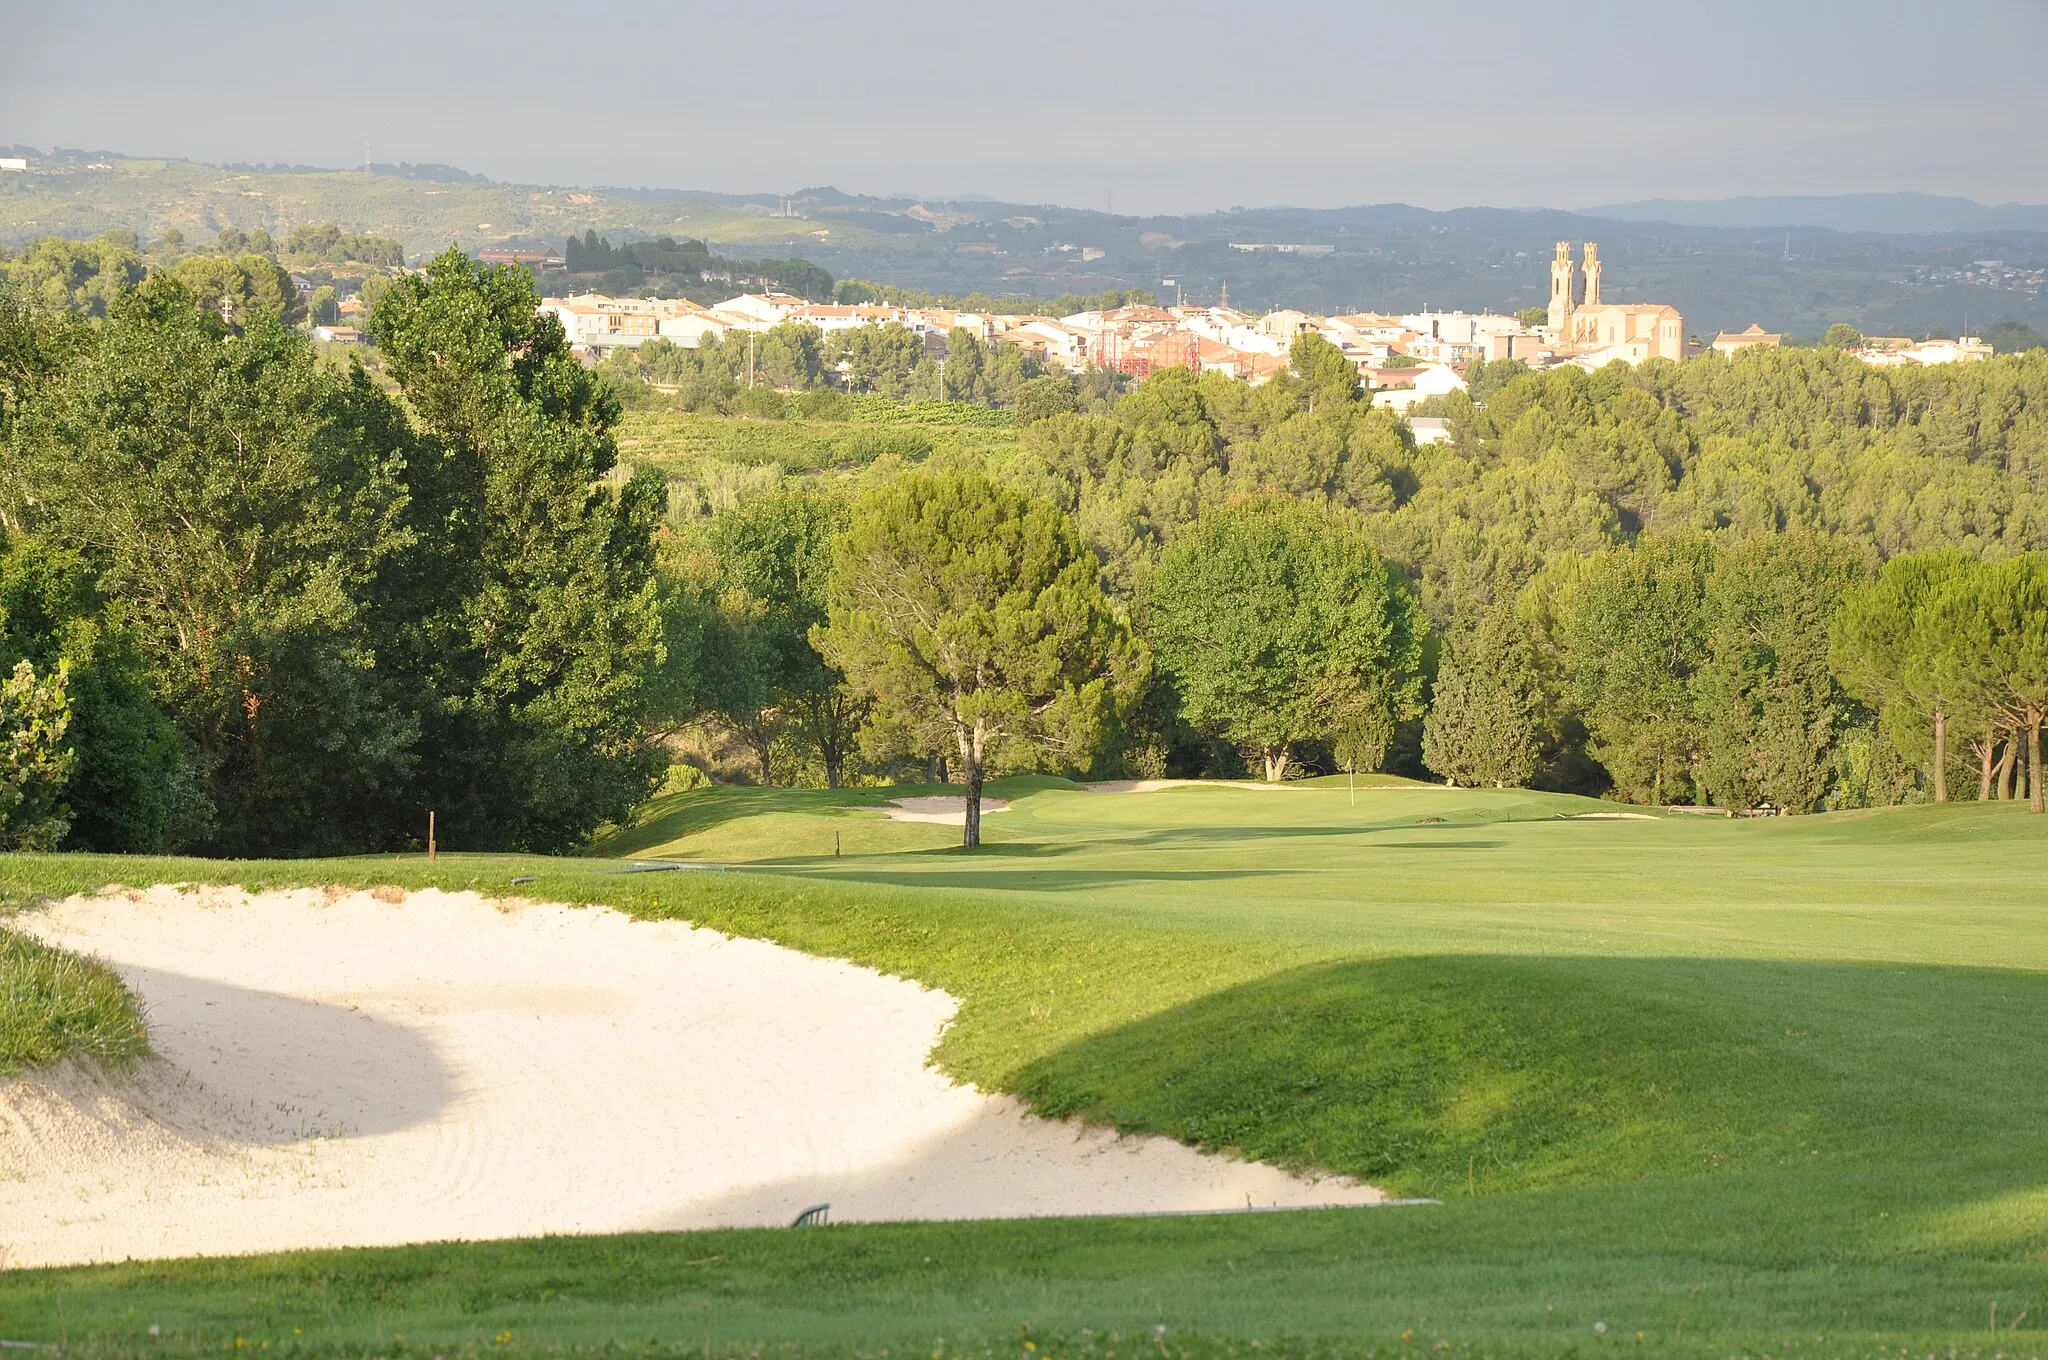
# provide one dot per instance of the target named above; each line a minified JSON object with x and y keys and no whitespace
{"x":1563,"y":285}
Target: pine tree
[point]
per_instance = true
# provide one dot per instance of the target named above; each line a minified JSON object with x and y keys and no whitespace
{"x":1483,"y":722}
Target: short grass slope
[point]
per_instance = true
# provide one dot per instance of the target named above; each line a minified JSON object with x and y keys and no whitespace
{"x":54,"y":1006}
{"x":1770,"y":1085}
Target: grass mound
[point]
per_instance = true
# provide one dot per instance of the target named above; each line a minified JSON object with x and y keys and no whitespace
{"x":1444,"y":1075}
{"x":756,"y":825}
{"x":54,"y":1005}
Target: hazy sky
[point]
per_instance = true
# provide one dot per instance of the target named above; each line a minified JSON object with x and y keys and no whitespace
{"x":1168,"y":107}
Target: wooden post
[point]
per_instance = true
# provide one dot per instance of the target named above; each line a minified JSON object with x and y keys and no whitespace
{"x":432,"y":849}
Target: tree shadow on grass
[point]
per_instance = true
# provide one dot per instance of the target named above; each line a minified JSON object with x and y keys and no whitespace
{"x":1439,"y":1075}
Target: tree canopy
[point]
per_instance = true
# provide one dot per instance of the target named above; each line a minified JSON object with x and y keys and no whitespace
{"x":299,"y":614}
{"x":973,"y":617}
{"x":1272,"y":619}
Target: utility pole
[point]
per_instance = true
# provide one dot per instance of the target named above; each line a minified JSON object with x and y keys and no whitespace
{"x":942,"y":377}
{"x":750,"y":360}
{"x":366,"y":159}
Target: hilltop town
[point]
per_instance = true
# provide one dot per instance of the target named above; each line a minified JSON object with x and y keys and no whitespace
{"x":1404,"y":358}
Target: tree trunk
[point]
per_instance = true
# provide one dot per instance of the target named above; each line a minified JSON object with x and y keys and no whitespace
{"x":970,"y":777}
{"x":1276,"y":763}
{"x":1941,"y":755}
{"x":2035,"y":795}
{"x":1989,"y":748}
{"x":761,"y":749}
{"x":832,"y":751}
{"x":2005,"y":762}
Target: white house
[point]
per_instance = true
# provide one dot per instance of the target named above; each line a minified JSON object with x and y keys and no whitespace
{"x":1431,"y":380}
{"x":759,"y":311}
{"x":1429,"y":430}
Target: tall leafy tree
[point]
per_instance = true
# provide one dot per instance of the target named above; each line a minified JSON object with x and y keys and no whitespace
{"x":239,"y":502}
{"x":35,"y":759}
{"x":760,"y":671}
{"x":966,"y":357}
{"x":1327,"y":375}
{"x":1484,"y":724}
{"x":1274,"y":618}
{"x":968,"y":609}
{"x":2006,"y":608}
{"x":1039,"y":398}
{"x":536,"y":622}
{"x":133,"y":787}
{"x":1893,"y":652}
{"x":238,"y":287}
{"x":1770,"y":704}
{"x":1636,"y":638}
{"x":80,"y":276}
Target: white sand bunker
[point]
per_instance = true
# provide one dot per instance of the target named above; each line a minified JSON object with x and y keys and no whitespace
{"x":946,"y":811}
{"x":346,"y":1070}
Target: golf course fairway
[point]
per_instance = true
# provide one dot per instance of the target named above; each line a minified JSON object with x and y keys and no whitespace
{"x":1683,"y":1085}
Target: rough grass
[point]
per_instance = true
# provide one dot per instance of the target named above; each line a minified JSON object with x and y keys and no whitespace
{"x":1740,"y":1086}
{"x":54,"y":1005}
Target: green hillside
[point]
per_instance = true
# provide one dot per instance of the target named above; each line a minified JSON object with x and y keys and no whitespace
{"x":151,"y":196}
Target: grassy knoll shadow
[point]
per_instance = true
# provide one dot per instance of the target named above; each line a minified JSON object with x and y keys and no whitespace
{"x":1444,"y":1075}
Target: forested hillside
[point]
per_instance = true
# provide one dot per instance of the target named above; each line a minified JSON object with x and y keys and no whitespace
{"x":1632,"y":579}
{"x":254,"y":601}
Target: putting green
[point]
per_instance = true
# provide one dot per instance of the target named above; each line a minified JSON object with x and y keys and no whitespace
{"x":1728,"y":1083}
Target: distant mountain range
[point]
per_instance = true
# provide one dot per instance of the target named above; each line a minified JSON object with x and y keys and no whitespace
{"x":1891,"y":264}
{"x":1914,"y":214}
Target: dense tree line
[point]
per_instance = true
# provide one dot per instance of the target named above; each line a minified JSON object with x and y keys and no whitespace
{"x":238,"y":270}
{"x":250,"y":603}
{"x":719,"y":375}
{"x":286,"y":612}
{"x":1632,"y":580}
{"x":686,"y":268}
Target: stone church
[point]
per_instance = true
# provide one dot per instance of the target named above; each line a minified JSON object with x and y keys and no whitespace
{"x":1587,"y":328}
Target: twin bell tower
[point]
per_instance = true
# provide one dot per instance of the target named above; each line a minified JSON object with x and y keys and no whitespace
{"x":1564,"y":285}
